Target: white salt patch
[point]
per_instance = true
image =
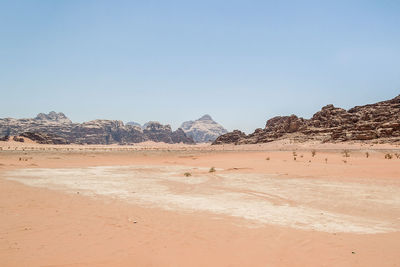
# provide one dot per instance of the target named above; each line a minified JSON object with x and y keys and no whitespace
{"x":299,"y":203}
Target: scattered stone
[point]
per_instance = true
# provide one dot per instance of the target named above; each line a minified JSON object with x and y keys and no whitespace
{"x":5,"y":138}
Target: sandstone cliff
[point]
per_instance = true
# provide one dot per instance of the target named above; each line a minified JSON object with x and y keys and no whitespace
{"x":379,"y":122}
{"x":56,"y":128}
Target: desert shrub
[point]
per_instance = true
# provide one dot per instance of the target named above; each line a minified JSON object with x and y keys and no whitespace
{"x":294,"y":154}
{"x":267,"y":158}
{"x":313,"y":152}
{"x":346,"y":153}
{"x":326,"y":160}
{"x":367,"y":154}
{"x":187,"y":174}
{"x":388,"y":156}
{"x":212,"y":169}
{"x":397,"y":155}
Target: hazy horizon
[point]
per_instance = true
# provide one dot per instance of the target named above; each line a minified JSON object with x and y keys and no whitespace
{"x":242,"y":62}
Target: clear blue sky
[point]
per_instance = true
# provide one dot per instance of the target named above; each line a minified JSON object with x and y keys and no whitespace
{"x":240,"y":61}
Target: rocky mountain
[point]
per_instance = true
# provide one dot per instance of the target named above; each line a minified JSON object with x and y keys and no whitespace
{"x":379,"y":122}
{"x":53,"y":116}
{"x":157,"y":131}
{"x":56,"y":128}
{"x":203,"y":130}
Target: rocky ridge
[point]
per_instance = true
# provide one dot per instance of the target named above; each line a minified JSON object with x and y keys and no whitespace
{"x":56,"y":128}
{"x":379,"y":122}
{"x":203,"y":130}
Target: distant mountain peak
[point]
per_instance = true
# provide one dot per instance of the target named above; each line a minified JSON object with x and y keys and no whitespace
{"x":53,"y":116}
{"x":205,"y":118}
{"x":203,"y":130}
{"x":134,"y":124}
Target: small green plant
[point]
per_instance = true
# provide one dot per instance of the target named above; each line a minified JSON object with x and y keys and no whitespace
{"x":187,"y":174}
{"x":212,"y":169}
{"x":313,"y":152}
{"x":388,"y":156}
{"x":367,"y":154}
{"x":346,"y":153}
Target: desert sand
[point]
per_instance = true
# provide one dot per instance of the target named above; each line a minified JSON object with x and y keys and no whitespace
{"x":273,"y":204}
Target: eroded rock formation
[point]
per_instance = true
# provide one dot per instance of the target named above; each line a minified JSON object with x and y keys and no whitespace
{"x":379,"y":122}
{"x":56,"y":128}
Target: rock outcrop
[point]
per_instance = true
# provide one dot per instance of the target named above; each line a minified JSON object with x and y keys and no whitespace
{"x":43,"y":138}
{"x":163,"y":133}
{"x":379,"y":122}
{"x":203,"y":130}
{"x":56,"y":128}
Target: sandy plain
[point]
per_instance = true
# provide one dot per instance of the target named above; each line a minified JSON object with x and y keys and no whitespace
{"x":134,"y":206}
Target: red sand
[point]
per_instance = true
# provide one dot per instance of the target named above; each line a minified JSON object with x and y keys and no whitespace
{"x":42,"y":227}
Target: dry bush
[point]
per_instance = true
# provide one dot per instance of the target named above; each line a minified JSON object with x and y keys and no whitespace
{"x":388,"y":156}
{"x":187,"y":174}
{"x":313,"y":152}
{"x":267,"y":158}
{"x":212,"y":169}
{"x":346,"y":153}
{"x":367,"y":154}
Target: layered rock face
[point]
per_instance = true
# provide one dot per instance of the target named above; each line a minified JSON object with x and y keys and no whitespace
{"x":156,"y":131}
{"x":379,"y":122}
{"x":56,"y":128}
{"x":203,"y":130}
